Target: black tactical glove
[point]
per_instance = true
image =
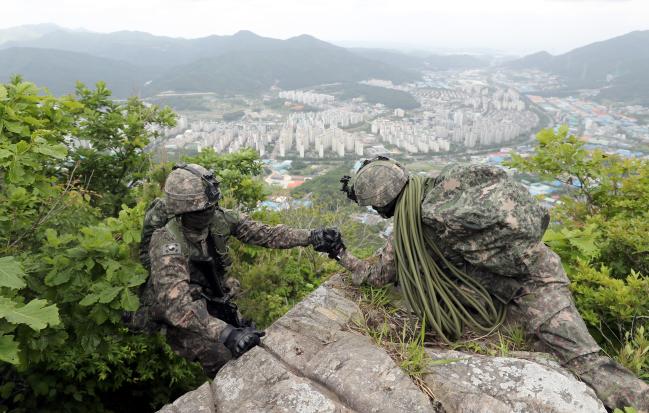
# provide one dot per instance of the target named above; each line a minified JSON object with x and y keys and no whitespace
{"x":240,"y":340}
{"x":327,"y":240}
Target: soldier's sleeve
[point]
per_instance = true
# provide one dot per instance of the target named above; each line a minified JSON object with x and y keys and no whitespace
{"x":170,"y":280}
{"x":156,"y":217}
{"x":270,"y":236}
{"x":378,"y":270}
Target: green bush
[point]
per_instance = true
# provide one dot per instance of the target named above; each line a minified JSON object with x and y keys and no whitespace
{"x":68,"y":270}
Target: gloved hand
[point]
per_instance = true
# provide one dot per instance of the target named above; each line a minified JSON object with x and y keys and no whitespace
{"x":240,"y":340}
{"x":327,"y":240}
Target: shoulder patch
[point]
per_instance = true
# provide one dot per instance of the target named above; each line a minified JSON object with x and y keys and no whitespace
{"x":172,"y":248}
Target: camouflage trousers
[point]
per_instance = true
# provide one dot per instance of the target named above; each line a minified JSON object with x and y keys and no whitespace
{"x":543,"y":303}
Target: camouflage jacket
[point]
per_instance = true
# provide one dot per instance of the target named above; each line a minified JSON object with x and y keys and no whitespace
{"x":226,"y":223}
{"x":171,"y":296}
{"x":478,"y":216}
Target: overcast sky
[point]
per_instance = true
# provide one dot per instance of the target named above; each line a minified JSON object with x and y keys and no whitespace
{"x":514,"y":26}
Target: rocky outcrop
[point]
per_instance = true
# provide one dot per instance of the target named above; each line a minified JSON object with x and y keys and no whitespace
{"x":310,"y":361}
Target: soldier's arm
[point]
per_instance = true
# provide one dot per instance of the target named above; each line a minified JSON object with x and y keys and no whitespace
{"x":270,"y":236}
{"x":156,"y":217}
{"x":170,"y":279}
{"x":378,"y":270}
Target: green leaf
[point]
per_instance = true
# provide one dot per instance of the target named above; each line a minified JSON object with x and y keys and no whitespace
{"x":3,"y":92}
{"x":89,"y":300}
{"x":9,"y":349}
{"x":585,"y":245}
{"x":36,"y":314}
{"x":55,"y":151}
{"x":130,"y":302}
{"x":17,"y":128}
{"x":57,"y":277}
{"x":109,"y":294}
{"x":98,"y":314}
{"x":11,"y":273}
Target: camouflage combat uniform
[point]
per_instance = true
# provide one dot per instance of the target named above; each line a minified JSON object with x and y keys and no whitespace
{"x":489,"y":225}
{"x":172,"y":299}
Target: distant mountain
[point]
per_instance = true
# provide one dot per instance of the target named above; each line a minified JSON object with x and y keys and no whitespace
{"x":241,"y":63}
{"x":454,"y":62}
{"x":27,"y":32}
{"x":141,"y":48}
{"x":391,"y":57}
{"x":431,"y":61}
{"x":300,"y":62}
{"x":541,"y":60}
{"x":620,"y":65}
{"x":134,"y":47}
{"x":60,"y":70}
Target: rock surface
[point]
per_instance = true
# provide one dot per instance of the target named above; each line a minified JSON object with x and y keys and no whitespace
{"x":311,"y":362}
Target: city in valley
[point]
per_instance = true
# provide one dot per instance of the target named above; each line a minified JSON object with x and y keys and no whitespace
{"x":478,"y":115}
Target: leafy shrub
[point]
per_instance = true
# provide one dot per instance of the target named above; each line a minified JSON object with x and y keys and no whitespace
{"x":67,"y":273}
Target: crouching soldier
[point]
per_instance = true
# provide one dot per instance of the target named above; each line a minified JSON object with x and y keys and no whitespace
{"x":468,"y":242}
{"x":188,"y":293}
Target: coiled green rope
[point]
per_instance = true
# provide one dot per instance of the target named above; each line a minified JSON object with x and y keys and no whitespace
{"x":446,"y":299}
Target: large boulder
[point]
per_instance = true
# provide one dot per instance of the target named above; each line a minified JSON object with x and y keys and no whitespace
{"x":310,"y":361}
{"x":477,"y":383}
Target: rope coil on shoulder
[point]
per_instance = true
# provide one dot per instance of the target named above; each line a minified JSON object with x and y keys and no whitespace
{"x":447,"y":299}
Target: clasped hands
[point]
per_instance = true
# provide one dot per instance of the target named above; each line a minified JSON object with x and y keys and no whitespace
{"x":327,"y":240}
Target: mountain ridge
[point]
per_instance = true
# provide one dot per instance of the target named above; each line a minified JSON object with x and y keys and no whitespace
{"x":619,"y":65}
{"x":241,"y":63}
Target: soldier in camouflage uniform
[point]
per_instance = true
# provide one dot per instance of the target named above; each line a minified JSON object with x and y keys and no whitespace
{"x":185,"y":244}
{"x":489,"y":225}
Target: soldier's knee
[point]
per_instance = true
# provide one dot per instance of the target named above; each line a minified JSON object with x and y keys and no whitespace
{"x":547,"y":269}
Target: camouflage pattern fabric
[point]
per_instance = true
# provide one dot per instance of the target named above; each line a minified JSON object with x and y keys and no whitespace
{"x":484,"y":216}
{"x":378,"y":270}
{"x":615,"y":385}
{"x":226,"y":223}
{"x":156,"y":217}
{"x":185,"y":192}
{"x":392,"y":177}
{"x":489,"y":225}
{"x":172,"y":300}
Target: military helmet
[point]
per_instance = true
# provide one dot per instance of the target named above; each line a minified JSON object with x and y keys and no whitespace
{"x":378,"y":182}
{"x":189,"y":188}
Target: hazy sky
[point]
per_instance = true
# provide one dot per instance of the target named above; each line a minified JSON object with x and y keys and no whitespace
{"x":517,"y":26}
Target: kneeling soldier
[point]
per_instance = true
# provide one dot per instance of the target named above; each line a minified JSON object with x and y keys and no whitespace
{"x":187,"y":294}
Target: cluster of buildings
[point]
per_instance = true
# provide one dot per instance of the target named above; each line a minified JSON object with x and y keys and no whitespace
{"x":468,"y":115}
{"x":320,"y":134}
{"x":409,"y":136}
{"x":597,"y":124}
{"x":470,"y":110}
{"x":308,"y":98}
{"x":226,"y":137}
